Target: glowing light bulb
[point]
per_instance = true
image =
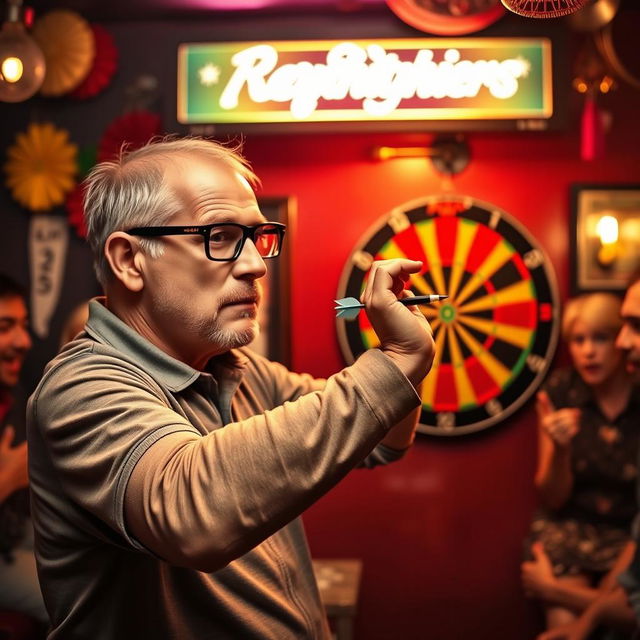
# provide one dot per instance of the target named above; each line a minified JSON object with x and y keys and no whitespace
{"x":22,"y":64}
{"x":607,"y":230}
{"x":11,"y":69}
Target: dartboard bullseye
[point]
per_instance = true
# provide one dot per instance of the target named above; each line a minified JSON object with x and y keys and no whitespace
{"x":496,"y":333}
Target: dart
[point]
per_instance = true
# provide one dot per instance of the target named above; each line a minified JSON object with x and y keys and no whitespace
{"x":348,"y":308}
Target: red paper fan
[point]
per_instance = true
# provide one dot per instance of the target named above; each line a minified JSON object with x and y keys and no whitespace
{"x":75,"y":210}
{"x":103,"y":67}
{"x":134,"y":130}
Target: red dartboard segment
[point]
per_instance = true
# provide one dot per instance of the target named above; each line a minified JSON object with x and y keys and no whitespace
{"x":484,"y":243}
{"x":446,"y":234}
{"x":521,"y":314}
{"x":484,"y":385}
{"x":496,"y":333}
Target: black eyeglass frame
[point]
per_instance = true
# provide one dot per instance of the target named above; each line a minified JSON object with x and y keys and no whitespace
{"x":205,"y":231}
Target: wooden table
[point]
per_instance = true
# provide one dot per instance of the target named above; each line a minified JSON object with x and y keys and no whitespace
{"x":339,"y":584}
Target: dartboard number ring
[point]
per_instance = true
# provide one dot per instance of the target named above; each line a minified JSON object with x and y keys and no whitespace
{"x":495,"y":335}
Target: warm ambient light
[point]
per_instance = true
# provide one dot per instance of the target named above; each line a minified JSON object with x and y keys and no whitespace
{"x":11,"y":69}
{"x":22,"y":64}
{"x":607,"y":230}
{"x":387,"y":153}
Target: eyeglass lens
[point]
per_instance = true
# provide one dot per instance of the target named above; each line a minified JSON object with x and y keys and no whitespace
{"x":225,"y":240}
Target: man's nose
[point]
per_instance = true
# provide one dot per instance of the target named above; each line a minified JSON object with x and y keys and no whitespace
{"x":250,"y":261}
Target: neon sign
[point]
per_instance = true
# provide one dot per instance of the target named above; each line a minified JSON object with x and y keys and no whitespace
{"x":365,"y":80}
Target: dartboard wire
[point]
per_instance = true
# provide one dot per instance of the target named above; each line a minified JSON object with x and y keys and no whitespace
{"x":517,"y":336}
{"x":390,"y":251}
{"x":465,"y":236}
{"x":427,"y":235}
{"x":464,"y":388}
{"x":491,"y":364}
{"x":429,"y":384}
{"x":521,"y":291}
{"x":499,"y":255}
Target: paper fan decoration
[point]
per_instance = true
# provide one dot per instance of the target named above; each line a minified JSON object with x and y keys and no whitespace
{"x":544,"y":8}
{"x":66,"y":39}
{"x":103,"y":67}
{"x":132,"y":130}
{"x":41,"y":167}
{"x":75,"y":210}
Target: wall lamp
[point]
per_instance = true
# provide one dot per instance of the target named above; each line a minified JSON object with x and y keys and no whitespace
{"x":449,"y":155}
{"x":22,"y":65}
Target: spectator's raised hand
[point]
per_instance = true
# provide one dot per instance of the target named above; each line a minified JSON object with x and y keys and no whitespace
{"x":13,"y":464}
{"x":561,"y":425}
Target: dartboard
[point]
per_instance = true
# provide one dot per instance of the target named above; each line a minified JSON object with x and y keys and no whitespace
{"x":496,"y":333}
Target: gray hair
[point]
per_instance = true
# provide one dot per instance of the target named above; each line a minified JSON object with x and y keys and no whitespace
{"x":131,"y":192}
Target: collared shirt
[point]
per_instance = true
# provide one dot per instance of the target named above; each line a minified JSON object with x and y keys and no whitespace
{"x":260,"y":444}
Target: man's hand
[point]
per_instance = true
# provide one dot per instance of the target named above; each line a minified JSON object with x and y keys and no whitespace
{"x":562,"y":425}
{"x":404,"y":333}
{"x":537,"y":575}
{"x":13,"y":464}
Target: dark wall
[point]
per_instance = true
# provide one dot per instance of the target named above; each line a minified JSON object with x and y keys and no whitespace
{"x":440,"y":532}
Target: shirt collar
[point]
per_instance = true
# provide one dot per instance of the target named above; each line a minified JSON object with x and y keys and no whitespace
{"x":105,"y":327}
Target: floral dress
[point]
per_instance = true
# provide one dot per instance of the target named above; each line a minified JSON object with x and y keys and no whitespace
{"x":587,"y":534}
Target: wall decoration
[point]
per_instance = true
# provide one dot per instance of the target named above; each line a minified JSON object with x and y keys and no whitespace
{"x":605,"y":236}
{"x":132,"y":130}
{"x":448,"y":18}
{"x":496,"y":333}
{"x":75,"y":210}
{"x":68,"y":45}
{"x":48,"y":240}
{"x":274,"y":340}
{"x":103,"y":67}
{"x":41,"y":167}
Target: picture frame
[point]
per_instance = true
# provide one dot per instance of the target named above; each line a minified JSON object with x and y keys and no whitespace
{"x":274,"y":317}
{"x":605,"y":236}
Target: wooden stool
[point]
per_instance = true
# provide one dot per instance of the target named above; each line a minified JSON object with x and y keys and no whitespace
{"x":339,"y":584}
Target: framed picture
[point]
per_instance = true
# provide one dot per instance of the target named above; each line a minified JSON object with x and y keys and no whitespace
{"x":605,"y":236}
{"x":274,"y":340}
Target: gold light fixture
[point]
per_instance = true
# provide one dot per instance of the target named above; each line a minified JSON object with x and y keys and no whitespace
{"x":22,"y":65}
{"x":449,"y":155}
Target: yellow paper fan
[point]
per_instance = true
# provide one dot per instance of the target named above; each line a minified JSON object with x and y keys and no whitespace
{"x":41,"y":167}
{"x":68,"y":45}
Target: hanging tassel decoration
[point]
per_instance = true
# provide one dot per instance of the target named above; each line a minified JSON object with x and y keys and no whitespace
{"x":592,"y":139}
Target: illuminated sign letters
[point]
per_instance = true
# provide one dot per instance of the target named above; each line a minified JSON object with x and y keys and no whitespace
{"x":365,"y":80}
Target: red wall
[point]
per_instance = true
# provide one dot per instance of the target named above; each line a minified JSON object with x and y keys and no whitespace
{"x":440,"y":532}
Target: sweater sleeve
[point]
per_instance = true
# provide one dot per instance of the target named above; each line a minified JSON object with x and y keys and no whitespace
{"x":201,"y":502}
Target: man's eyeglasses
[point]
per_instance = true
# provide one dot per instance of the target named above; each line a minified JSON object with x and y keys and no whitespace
{"x":224,"y":241}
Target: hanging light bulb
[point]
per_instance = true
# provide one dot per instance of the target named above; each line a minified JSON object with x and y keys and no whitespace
{"x":22,"y":63}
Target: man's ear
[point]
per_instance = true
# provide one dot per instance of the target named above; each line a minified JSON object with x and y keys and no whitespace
{"x":126,"y":259}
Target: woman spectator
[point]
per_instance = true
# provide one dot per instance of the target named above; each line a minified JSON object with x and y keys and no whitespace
{"x":589,"y":426}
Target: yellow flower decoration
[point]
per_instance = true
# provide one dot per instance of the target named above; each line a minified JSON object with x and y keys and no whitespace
{"x":41,"y":167}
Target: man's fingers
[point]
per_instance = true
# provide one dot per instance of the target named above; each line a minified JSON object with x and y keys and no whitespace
{"x":390,"y":275}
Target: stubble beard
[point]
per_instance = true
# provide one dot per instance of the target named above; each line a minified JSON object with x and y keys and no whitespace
{"x":226,"y":339}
